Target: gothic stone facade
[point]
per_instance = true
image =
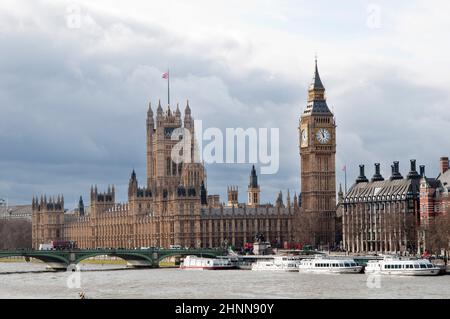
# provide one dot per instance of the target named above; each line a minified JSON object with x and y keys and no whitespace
{"x":317,"y":130}
{"x":173,"y":208}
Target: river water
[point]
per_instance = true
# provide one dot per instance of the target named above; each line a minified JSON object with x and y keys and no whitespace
{"x":29,"y":280}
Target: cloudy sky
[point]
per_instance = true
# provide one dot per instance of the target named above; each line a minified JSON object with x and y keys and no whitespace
{"x":76,"y":78}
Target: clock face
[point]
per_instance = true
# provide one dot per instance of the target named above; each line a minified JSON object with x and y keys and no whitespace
{"x":304,"y":137}
{"x":323,"y":136}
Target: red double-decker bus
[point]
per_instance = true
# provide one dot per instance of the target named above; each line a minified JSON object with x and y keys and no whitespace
{"x":63,"y":244}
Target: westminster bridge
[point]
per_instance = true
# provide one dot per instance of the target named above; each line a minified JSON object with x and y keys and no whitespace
{"x":149,"y":258}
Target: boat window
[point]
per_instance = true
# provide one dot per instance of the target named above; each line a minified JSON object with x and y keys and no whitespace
{"x":423,"y":266}
{"x":335,"y":265}
{"x":429,"y":265}
{"x":353,"y":264}
{"x":341,"y":265}
{"x":347,"y":265}
{"x":416,"y":265}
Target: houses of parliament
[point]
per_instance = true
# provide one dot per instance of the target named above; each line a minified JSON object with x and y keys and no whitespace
{"x":171,"y":205}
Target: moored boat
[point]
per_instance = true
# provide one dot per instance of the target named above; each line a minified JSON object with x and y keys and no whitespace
{"x":329,"y":265}
{"x":403,"y":267}
{"x":277,"y":263}
{"x":200,"y":263}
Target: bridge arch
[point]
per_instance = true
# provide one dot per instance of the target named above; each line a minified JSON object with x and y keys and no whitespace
{"x":52,"y":260}
{"x":133,"y":259}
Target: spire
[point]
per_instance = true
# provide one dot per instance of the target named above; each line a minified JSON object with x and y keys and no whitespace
{"x":188,"y":123}
{"x":177,"y":111}
{"x":288,"y":199}
{"x":340,"y":194}
{"x":150,"y":111}
{"x":187,"y":110}
{"x":253,"y":178}
{"x":159,"y":110}
{"x":316,"y":83}
{"x":279,"y":202}
{"x":132,"y":185}
{"x":316,"y":95}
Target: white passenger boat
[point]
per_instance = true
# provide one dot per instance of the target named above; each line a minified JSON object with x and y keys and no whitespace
{"x":277,"y":263}
{"x":200,"y":263}
{"x":329,"y":265}
{"x":402,"y":266}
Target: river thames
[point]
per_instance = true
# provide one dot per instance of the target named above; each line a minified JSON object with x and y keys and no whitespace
{"x":30,"y":280}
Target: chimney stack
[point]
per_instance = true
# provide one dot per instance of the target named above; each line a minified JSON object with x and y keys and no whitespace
{"x":413,"y":172}
{"x":362,"y":177}
{"x":422,"y":170}
{"x":396,"y":171}
{"x":443,"y":164}
{"x":377,"y":176}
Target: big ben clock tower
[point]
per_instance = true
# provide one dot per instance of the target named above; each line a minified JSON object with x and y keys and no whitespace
{"x":318,"y":172}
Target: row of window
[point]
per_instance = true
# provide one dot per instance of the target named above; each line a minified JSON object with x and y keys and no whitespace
{"x":408,"y":266}
{"x":321,"y":265}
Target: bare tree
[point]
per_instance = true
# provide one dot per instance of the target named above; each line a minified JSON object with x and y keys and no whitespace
{"x":303,"y":227}
{"x":15,"y":233}
{"x":438,"y":233}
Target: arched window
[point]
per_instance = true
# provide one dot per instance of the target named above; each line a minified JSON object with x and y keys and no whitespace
{"x":168,"y":163}
{"x":174,"y":168}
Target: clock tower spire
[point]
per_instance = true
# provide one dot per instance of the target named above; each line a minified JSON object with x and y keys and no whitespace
{"x":318,"y":172}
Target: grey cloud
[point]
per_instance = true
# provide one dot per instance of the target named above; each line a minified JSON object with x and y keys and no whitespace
{"x":73,"y":108}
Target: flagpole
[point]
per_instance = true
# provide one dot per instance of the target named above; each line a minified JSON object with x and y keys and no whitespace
{"x":168,"y":87}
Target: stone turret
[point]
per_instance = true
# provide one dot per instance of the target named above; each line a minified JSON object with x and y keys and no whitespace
{"x":253,"y":190}
{"x":232,"y":195}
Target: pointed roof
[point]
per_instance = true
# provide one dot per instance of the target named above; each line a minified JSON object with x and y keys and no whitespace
{"x":159,"y":110}
{"x":187,"y":110}
{"x":317,"y":103}
{"x":316,"y":83}
{"x":253,"y":178}
{"x":150,"y":111}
